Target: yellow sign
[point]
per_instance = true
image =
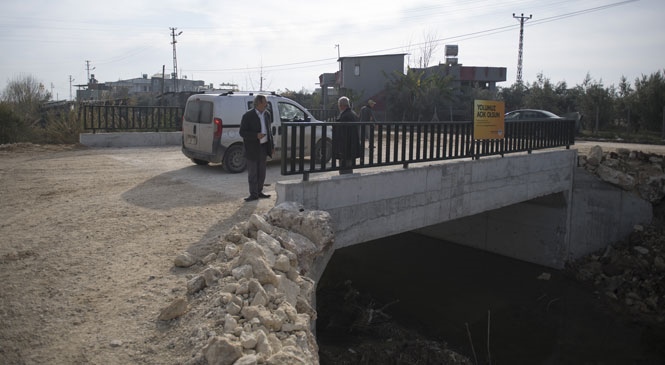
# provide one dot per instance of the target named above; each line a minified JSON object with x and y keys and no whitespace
{"x":488,"y":120}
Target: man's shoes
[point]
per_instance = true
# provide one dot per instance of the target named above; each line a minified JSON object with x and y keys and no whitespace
{"x":263,"y":196}
{"x":251,"y":198}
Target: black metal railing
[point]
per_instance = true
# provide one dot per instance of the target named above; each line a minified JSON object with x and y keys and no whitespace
{"x":324,"y":115}
{"x":403,"y":143}
{"x":130,"y":118}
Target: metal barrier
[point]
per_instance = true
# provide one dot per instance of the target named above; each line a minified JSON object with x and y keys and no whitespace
{"x":403,"y":143}
{"x":130,"y":118}
{"x":324,"y":115}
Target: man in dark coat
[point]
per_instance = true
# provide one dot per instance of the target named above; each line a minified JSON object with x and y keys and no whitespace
{"x":367,"y":115}
{"x":346,"y":142}
{"x":258,"y":142}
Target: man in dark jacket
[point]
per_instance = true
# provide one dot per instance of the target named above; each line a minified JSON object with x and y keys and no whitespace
{"x":258,"y":142}
{"x":346,"y":142}
{"x":367,"y":115}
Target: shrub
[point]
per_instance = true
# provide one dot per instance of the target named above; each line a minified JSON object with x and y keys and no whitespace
{"x":58,"y":127}
{"x":12,"y":128}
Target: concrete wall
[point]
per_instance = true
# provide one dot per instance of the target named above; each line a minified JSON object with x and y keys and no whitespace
{"x":535,"y":231}
{"x":130,"y":139}
{"x":602,"y":213}
{"x":554,"y":229}
{"x":372,"y":205}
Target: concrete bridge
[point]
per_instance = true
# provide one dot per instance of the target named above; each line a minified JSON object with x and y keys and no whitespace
{"x":537,"y":207}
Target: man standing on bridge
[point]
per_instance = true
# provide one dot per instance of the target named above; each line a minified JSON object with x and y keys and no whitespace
{"x":346,"y":142}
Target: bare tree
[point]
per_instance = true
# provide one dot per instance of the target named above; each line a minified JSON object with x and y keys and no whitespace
{"x":428,"y":48}
{"x":25,"y":94}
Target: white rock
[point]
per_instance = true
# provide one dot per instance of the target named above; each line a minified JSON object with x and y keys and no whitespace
{"x":231,"y":250}
{"x":211,"y":276}
{"x":263,"y":346}
{"x":248,"y":340}
{"x":289,"y":288}
{"x":195,"y":284}
{"x":209,"y":258}
{"x":185,"y":259}
{"x":230,"y":323}
{"x":260,"y":224}
{"x":260,"y":299}
{"x":174,"y":310}
{"x":282,"y":263}
{"x":233,"y":308}
{"x":222,"y":351}
{"x":242,"y":272}
{"x":247,"y":360}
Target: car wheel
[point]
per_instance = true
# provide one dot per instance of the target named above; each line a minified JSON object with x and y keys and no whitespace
{"x":234,"y":159}
{"x":318,"y":151}
{"x":200,"y":162}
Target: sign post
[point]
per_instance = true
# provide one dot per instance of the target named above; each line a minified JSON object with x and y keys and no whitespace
{"x":488,"y":122}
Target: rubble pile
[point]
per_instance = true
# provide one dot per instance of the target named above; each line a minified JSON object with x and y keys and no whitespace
{"x":630,"y":273}
{"x":641,"y":173}
{"x":252,"y":302}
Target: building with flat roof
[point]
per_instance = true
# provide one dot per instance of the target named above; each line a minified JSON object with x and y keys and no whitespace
{"x":365,"y":77}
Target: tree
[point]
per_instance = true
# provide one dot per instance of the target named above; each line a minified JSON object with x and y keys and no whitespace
{"x":25,"y":94}
{"x":302,"y":97}
{"x":513,"y":96}
{"x":623,"y":104}
{"x":21,"y":102}
{"x":417,"y":97}
{"x":12,"y":129}
{"x":428,"y":48}
{"x":596,"y":103}
{"x":650,"y":100}
{"x":542,"y":94}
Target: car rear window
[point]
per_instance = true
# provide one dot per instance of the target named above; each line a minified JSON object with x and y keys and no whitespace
{"x":199,"y":111}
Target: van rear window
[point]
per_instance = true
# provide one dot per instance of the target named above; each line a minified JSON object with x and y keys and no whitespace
{"x":199,"y":111}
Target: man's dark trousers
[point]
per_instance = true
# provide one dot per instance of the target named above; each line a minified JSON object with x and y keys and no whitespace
{"x":256,"y":171}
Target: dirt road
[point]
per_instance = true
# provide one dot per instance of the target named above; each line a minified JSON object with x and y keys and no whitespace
{"x":87,"y":242}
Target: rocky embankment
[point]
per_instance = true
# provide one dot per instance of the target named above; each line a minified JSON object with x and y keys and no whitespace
{"x":630,"y":274}
{"x":251,"y":304}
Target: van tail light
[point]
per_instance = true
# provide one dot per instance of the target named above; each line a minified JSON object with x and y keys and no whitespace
{"x":218,"y":128}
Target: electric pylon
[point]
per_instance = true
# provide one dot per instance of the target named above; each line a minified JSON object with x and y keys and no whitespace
{"x":175,"y":59}
{"x":522,"y":19}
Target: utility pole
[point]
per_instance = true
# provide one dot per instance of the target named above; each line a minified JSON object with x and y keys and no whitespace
{"x":87,"y":68}
{"x":175,"y":59}
{"x":522,"y":19}
{"x":71,"y":79}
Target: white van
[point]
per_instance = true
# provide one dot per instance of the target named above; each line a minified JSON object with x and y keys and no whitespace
{"x":211,"y":126}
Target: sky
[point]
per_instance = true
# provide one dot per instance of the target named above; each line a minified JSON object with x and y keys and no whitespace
{"x":288,"y":44}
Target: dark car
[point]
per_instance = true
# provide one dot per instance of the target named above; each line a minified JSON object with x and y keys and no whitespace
{"x":530,"y":114}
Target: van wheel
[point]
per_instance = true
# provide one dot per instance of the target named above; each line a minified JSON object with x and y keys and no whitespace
{"x":234,"y":159}
{"x":200,"y":162}
{"x":318,"y":151}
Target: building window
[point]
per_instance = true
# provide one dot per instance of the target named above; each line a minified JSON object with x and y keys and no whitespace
{"x":356,"y":70}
